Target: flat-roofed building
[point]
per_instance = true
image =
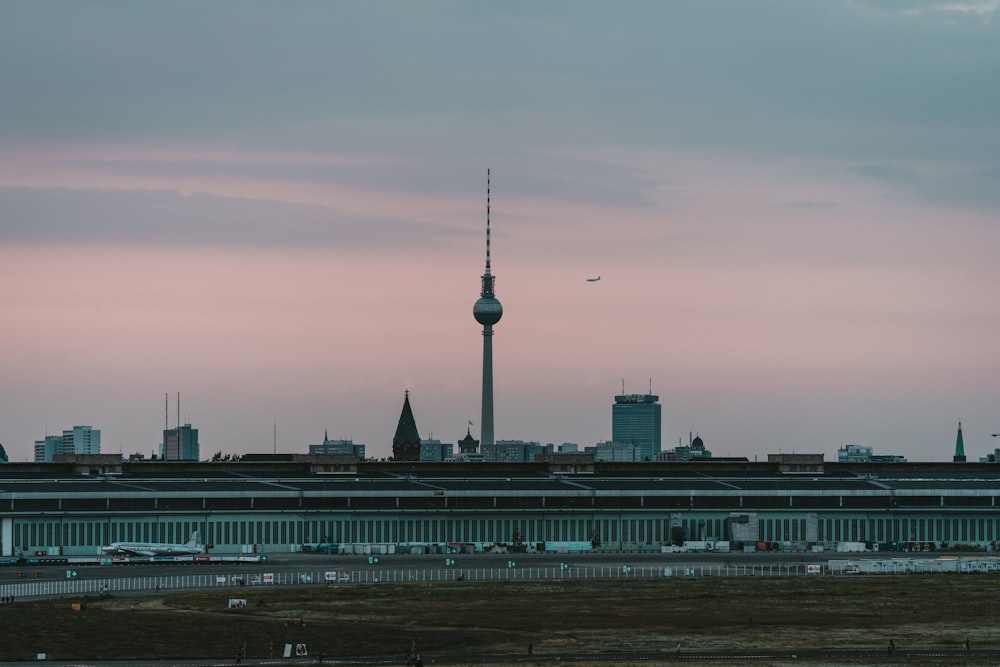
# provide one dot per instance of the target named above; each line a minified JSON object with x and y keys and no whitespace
{"x":77,"y":440}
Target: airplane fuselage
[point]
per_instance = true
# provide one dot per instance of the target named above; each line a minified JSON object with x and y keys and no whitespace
{"x":191,"y":547}
{"x":152,"y":549}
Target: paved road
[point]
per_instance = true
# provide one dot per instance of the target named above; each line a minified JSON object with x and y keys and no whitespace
{"x":984,"y":657}
{"x":355,"y":563}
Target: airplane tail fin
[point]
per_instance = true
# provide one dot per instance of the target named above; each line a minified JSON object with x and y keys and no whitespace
{"x":195,"y":540}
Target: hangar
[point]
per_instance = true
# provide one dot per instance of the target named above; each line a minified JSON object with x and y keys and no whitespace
{"x":286,"y":502}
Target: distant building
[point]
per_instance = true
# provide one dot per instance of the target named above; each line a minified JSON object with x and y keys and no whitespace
{"x":436,"y":451}
{"x":341,"y":447}
{"x":46,"y":449}
{"x":864,"y":454}
{"x":78,"y":440}
{"x":406,"y":442}
{"x":180,"y":444}
{"x":616,"y":451}
{"x":635,"y":419}
{"x":693,"y":451}
{"x":513,"y":451}
{"x":992,"y":457}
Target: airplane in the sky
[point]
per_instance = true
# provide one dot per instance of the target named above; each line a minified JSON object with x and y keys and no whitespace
{"x":192,"y":546}
{"x":593,"y":280}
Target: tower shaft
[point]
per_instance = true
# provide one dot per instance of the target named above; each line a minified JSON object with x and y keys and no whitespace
{"x":486,"y":419}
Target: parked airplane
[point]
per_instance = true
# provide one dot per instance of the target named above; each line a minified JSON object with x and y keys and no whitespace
{"x":192,"y":546}
{"x":593,"y":280}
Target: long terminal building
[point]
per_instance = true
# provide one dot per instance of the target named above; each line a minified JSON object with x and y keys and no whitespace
{"x":77,"y":505}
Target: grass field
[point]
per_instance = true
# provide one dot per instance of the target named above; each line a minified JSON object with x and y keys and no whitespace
{"x":565,"y":616}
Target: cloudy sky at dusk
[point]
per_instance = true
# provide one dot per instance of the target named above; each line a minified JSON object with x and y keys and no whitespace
{"x":278,"y":210}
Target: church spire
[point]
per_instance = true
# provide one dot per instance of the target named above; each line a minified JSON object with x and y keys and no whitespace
{"x":959,"y":446}
{"x":406,"y":442}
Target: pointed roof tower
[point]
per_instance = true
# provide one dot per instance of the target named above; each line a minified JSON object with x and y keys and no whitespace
{"x":468,"y":444}
{"x":959,"y":446}
{"x":406,"y":442}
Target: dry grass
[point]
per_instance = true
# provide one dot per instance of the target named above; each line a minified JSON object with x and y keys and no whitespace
{"x":925,"y":612}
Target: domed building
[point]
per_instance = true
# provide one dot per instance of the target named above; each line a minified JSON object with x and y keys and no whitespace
{"x":693,"y":451}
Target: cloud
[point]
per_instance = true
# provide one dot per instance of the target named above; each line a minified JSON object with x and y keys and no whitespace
{"x":983,"y":9}
{"x":814,"y":204}
{"x":162,"y":217}
{"x":957,"y":185}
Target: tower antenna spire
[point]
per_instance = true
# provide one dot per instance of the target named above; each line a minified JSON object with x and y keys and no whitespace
{"x":487,"y":221}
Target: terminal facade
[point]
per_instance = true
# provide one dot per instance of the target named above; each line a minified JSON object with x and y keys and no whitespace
{"x":284,"y":503}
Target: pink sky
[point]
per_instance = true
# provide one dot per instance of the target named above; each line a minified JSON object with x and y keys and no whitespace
{"x":790,"y":262}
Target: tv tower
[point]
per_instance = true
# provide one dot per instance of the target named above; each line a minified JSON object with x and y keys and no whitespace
{"x":487,"y":312}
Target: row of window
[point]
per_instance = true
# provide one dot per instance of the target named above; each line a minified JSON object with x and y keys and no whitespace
{"x":379,"y":502}
{"x":228,"y":533}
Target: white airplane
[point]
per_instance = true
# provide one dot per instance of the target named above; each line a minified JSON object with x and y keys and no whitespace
{"x":593,"y":280}
{"x":192,"y":546}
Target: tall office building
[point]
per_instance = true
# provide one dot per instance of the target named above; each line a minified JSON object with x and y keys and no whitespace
{"x":180,"y":444}
{"x":635,"y":419}
{"x":487,"y":312}
{"x":77,"y":440}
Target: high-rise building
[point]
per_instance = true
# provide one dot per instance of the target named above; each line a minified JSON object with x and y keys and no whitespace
{"x":77,"y":440}
{"x":635,"y":419}
{"x":180,"y":444}
{"x":487,"y":312}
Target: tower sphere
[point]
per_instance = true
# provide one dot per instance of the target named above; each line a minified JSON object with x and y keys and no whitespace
{"x":487,"y":311}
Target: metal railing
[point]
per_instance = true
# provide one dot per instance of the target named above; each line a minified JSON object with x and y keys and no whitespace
{"x":55,"y":583}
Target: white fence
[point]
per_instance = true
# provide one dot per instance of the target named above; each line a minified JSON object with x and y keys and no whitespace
{"x":51,"y":582}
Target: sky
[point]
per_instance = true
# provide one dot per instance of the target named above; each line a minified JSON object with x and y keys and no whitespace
{"x":277,"y":211}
